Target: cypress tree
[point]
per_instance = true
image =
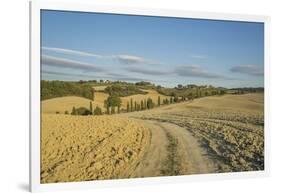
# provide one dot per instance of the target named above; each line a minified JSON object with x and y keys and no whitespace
{"x":73,"y":112}
{"x":131,"y":105}
{"x":91,"y":107}
{"x":142,"y":105}
{"x":128,"y":107}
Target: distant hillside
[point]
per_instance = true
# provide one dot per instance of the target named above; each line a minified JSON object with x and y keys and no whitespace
{"x":191,"y":91}
{"x":245,"y":90}
{"x":53,"y":89}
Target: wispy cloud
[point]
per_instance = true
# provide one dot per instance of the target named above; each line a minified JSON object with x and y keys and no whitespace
{"x":122,"y":58}
{"x":196,"y":71}
{"x":253,"y":70}
{"x":145,"y":71}
{"x":66,"y":63}
{"x":66,"y":74}
{"x":129,"y":59}
{"x":111,"y":76}
{"x":71,"y":52}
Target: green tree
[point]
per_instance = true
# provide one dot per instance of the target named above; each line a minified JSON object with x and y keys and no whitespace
{"x":66,"y":112}
{"x":171,"y":100}
{"x":159,"y":101}
{"x":128,"y":107}
{"x":91,"y":106}
{"x":112,"y":102}
{"x":73,"y":112}
{"x":150,"y":104}
{"x":118,"y":108}
{"x":142,"y":107}
{"x":93,"y":94}
{"x":107,"y":106}
{"x":135,"y":106}
{"x":176,"y":99}
{"x":113,"y":110}
{"x":131,"y":103}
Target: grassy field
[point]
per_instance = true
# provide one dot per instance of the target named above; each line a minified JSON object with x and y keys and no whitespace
{"x":207,"y":135}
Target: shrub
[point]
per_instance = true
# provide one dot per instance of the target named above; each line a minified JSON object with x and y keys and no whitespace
{"x":83,"y":111}
{"x":97,"y":111}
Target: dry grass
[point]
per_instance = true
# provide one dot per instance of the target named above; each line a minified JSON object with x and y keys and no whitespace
{"x":62,"y":104}
{"x":80,"y":148}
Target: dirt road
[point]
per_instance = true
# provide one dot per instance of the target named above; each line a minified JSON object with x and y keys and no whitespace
{"x":172,"y":151}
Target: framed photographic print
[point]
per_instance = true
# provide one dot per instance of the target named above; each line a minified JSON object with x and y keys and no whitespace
{"x":123,"y":96}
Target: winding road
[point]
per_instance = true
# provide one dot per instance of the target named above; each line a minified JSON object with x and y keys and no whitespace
{"x":172,"y":151}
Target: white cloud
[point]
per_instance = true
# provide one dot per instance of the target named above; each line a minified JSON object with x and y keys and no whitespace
{"x":146,"y":71}
{"x":129,"y":59}
{"x":66,"y":63}
{"x":196,"y":71}
{"x":253,"y":70}
{"x":122,"y":58}
{"x":71,"y":52}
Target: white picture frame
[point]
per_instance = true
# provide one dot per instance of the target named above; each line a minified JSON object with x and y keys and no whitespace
{"x":36,"y":6}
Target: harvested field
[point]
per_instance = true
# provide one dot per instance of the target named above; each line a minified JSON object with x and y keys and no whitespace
{"x":62,"y":104}
{"x":231,"y":132}
{"x":76,"y":148}
{"x":206,"y":135}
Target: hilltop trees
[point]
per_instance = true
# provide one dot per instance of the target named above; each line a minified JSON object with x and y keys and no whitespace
{"x":53,"y":89}
{"x":117,"y":89}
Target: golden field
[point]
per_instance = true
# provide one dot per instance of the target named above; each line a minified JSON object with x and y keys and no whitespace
{"x":77,"y":148}
{"x":62,"y":104}
{"x":207,"y":135}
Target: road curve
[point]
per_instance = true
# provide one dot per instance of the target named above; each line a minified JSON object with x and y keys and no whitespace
{"x":172,"y":151}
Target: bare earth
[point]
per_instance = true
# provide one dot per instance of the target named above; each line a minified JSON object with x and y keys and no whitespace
{"x":207,"y":135}
{"x":172,"y":151}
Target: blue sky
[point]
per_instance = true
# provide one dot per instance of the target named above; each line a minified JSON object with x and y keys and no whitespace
{"x":165,"y":51}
